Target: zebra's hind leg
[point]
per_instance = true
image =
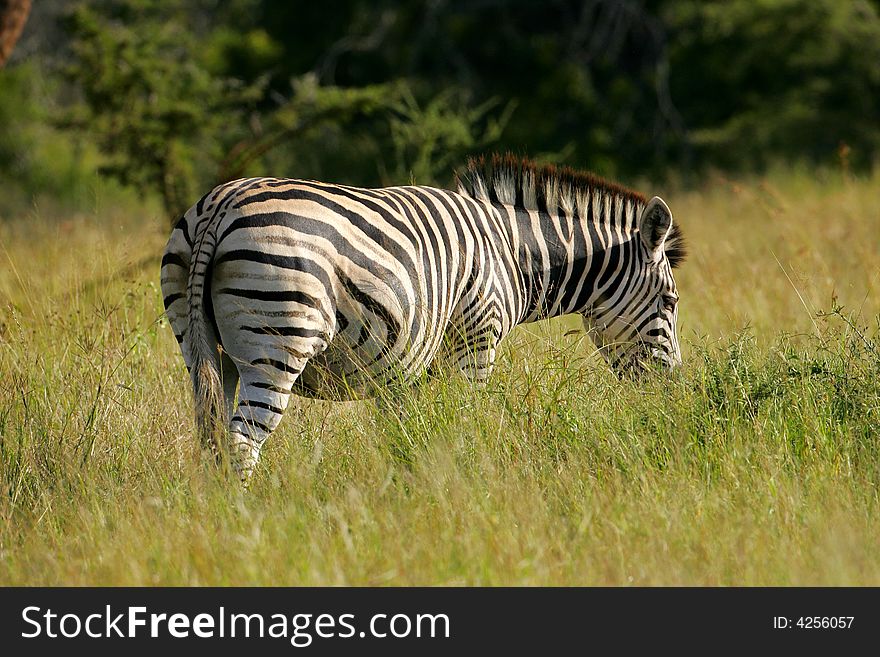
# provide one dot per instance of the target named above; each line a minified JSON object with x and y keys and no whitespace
{"x":263,"y":397}
{"x":265,"y":390}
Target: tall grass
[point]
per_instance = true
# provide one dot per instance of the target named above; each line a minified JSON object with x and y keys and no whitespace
{"x":757,"y":463}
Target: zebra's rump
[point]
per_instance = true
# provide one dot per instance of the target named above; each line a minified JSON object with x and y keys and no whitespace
{"x":341,"y":295}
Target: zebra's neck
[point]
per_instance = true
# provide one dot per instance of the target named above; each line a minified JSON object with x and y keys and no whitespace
{"x":569,"y":233}
{"x":571,"y":258}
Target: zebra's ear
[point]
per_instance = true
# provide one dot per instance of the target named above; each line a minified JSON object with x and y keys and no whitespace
{"x":655,"y":223}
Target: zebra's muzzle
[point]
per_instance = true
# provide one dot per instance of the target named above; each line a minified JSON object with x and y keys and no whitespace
{"x":636,"y":362}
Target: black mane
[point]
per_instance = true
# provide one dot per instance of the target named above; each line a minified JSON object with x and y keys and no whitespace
{"x":518,"y":181}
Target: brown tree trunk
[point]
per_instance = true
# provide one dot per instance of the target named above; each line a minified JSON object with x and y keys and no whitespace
{"x":13,"y":15}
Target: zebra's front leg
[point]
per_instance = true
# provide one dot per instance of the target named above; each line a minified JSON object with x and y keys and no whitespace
{"x":478,"y":363}
{"x":400,"y":399}
{"x":476,"y":343}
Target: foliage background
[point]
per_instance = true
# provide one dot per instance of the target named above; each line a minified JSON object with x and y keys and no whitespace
{"x":169,"y":98}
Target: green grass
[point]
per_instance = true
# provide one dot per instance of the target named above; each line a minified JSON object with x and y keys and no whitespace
{"x":757,"y":463}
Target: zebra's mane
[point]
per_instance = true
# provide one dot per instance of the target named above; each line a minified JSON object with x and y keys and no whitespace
{"x":520,"y":182}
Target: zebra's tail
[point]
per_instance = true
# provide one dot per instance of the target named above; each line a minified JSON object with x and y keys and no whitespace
{"x":210,"y":409}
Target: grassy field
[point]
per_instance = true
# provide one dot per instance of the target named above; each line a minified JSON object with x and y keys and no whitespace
{"x":757,"y":463}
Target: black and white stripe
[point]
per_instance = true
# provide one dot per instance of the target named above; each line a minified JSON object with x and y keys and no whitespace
{"x":283,"y":287}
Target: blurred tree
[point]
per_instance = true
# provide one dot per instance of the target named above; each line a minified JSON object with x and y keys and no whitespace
{"x":178,"y":104}
{"x":589,"y":79}
{"x":13,"y":16}
{"x":760,"y":79}
{"x":623,"y":86}
{"x":179,"y":96}
{"x":310,"y":106}
{"x":430,"y":141}
{"x":159,"y":115}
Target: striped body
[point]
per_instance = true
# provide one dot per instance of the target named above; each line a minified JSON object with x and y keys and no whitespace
{"x":299,"y":287}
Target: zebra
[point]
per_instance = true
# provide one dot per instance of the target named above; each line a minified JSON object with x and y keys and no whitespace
{"x":275,"y":287}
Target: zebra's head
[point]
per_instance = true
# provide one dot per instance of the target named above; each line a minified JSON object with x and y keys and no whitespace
{"x":635,"y":326}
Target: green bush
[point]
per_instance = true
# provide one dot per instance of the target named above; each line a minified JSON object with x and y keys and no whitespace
{"x":36,"y":159}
